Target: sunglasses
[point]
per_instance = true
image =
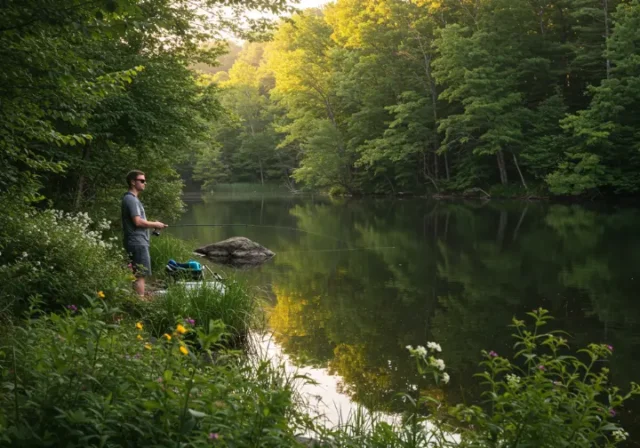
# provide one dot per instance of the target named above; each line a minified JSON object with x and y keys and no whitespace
{"x":142,"y":181}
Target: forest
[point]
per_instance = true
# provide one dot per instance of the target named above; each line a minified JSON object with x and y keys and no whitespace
{"x":505,"y":97}
{"x":515,"y":97}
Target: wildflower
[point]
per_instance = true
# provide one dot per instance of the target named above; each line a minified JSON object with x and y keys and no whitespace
{"x":612,"y":412}
{"x":493,"y":354}
{"x":445,"y":378}
{"x":409,"y":347}
{"x":101,"y":294}
{"x":620,"y":435}
{"x":420,"y":350}
{"x":434,"y":346}
{"x":139,"y":325}
{"x":72,"y":308}
{"x":180,"y":329}
{"x":438,"y":363}
{"x":610,"y":347}
{"x":184,"y":350}
{"x":147,"y":346}
{"x":168,"y":336}
{"x":139,"y":337}
{"x":213,"y":436}
{"x":190,"y":321}
{"x":541,"y":368}
{"x":513,"y":380}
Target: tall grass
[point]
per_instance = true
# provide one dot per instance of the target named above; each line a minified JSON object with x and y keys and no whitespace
{"x":166,"y":247}
{"x":234,"y":306}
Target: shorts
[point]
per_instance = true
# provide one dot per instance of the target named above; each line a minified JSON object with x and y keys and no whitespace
{"x":140,"y":260}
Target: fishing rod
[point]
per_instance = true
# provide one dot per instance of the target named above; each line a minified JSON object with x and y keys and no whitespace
{"x":157,"y":233}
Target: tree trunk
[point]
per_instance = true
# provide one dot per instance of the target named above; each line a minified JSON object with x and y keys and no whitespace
{"x":515,"y":160}
{"x":86,"y":152}
{"x":261,"y":172}
{"x":605,"y":4}
{"x":502,"y":167}
{"x":446,"y":165}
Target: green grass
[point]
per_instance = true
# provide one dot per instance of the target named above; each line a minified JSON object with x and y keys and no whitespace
{"x":165,"y":247}
{"x":236,"y":308}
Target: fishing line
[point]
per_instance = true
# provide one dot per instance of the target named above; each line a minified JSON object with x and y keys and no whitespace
{"x":294,"y":229}
{"x":262,"y":226}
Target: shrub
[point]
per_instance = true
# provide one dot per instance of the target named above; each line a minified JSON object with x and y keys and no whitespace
{"x":338,"y":190}
{"x":544,"y":398}
{"x":236,"y":308}
{"x":83,"y":379}
{"x":57,"y":256}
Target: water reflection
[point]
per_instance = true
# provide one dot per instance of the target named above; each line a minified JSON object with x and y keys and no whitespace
{"x":360,"y":280}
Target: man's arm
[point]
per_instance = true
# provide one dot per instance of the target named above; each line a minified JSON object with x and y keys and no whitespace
{"x":131,"y":208}
{"x":139,"y":222}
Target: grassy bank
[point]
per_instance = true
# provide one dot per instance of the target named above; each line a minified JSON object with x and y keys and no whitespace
{"x":88,"y":364}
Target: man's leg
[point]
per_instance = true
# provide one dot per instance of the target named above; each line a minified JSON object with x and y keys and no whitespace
{"x":138,"y":286}
{"x":141,"y":262}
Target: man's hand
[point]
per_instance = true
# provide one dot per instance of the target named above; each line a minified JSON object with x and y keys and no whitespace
{"x":160,"y":225}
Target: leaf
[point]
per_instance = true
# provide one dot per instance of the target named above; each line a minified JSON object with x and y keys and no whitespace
{"x":197,"y":414}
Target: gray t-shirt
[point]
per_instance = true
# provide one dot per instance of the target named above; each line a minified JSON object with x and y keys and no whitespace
{"x":133,"y":236}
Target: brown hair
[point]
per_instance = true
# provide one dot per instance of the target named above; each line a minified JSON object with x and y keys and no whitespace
{"x":132,"y":176}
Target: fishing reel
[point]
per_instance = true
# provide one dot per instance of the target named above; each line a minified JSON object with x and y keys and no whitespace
{"x":155,"y":232}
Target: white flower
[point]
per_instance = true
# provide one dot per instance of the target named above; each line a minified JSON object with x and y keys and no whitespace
{"x":439,"y":363}
{"x":420,"y":350}
{"x":513,"y":380}
{"x":620,"y":435}
{"x":414,"y":387}
{"x":445,"y":378}
{"x":409,"y":347}
{"x":434,"y":346}
{"x":25,"y":255}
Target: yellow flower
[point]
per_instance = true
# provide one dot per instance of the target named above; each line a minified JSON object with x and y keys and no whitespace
{"x":147,"y":346}
{"x":168,"y":336}
{"x":184,"y":350}
{"x":139,"y":325}
{"x":101,"y":294}
{"x":180,"y":329}
{"x":139,"y":338}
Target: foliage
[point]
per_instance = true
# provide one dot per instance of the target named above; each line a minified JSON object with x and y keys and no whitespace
{"x":93,"y":90}
{"x":544,"y":397}
{"x":233,"y":306}
{"x":167,"y":247}
{"x":85,"y":378}
{"x":57,"y":257}
{"x":391,"y":96}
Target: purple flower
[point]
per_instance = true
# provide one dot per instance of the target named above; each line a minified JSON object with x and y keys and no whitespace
{"x":213,"y":436}
{"x":493,"y":354}
{"x":541,"y":367}
{"x":610,"y":347}
{"x":612,"y":412}
{"x":72,"y":308}
{"x":190,"y":321}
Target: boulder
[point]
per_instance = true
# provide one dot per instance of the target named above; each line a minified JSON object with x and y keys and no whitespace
{"x":236,"y":251}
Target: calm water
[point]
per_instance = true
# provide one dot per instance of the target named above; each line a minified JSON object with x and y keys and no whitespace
{"x":360,"y":279}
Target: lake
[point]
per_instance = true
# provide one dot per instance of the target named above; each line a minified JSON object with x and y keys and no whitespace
{"x":355,"y":281}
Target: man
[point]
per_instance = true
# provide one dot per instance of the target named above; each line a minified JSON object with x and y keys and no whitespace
{"x":134,"y":226}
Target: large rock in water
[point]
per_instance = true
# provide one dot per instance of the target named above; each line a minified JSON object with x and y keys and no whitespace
{"x":236,"y":251}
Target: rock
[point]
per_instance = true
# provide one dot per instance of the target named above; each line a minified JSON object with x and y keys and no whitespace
{"x":236,"y":251}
